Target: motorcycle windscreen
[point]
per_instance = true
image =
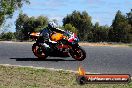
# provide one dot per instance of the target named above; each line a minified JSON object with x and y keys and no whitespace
{"x":56,"y":36}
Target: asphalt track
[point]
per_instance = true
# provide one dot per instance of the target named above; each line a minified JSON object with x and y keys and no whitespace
{"x":115,"y":60}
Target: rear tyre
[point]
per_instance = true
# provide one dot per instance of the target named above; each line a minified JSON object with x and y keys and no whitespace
{"x":78,"y":53}
{"x":39,"y":51}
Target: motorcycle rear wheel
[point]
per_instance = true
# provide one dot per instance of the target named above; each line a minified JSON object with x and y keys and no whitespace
{"x":39,"y":51}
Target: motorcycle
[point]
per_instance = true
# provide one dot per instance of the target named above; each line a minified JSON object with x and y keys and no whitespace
{"x":64,"y":45}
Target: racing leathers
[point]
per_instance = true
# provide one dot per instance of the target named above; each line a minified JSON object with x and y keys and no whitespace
{"x":45,"y":36}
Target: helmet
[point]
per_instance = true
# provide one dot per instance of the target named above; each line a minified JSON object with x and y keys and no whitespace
{"x":52,"y":25}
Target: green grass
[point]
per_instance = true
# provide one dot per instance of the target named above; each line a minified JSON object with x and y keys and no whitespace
{"x":130,"y":45}
{"x":25,"y":77}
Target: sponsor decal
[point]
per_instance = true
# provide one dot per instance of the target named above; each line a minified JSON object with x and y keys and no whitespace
{"x":83,"y":78}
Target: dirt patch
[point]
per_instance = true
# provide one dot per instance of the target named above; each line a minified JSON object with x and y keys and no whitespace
{"x":95,"y":44}
{"x":104,"y":44}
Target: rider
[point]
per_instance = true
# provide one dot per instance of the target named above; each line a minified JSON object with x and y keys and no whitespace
{"x":45,"y":33}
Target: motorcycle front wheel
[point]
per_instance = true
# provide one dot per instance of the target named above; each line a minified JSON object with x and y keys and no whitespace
{"x":78,"y":53}
{"x":39,"y":51}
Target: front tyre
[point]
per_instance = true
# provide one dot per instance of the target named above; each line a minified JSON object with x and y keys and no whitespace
{"x":78,"y":53}
{"x":39,"y":51}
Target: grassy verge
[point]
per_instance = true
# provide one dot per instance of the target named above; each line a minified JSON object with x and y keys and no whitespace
{"x":130,"y":45}
{"x":25,"y":77}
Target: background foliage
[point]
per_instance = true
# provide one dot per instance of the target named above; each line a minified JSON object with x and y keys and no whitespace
{"x":78,"y":22}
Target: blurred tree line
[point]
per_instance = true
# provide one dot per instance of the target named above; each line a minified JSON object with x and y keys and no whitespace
{"x":119,"y":31}
{"x":25,"y":25}
{"x":7,"y":9}
{"x":78,"y":22}
{"x":121,"y":28}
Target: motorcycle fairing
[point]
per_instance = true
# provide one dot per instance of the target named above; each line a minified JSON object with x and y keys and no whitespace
{"x":56,"y":36}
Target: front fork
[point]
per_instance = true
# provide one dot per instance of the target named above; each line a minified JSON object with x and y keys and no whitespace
{"x":73,"y":47}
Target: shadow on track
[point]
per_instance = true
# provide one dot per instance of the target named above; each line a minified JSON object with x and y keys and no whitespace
{"x":37,"y":59}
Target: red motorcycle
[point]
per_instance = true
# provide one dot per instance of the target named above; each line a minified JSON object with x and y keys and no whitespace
{"x":64,"y":45}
